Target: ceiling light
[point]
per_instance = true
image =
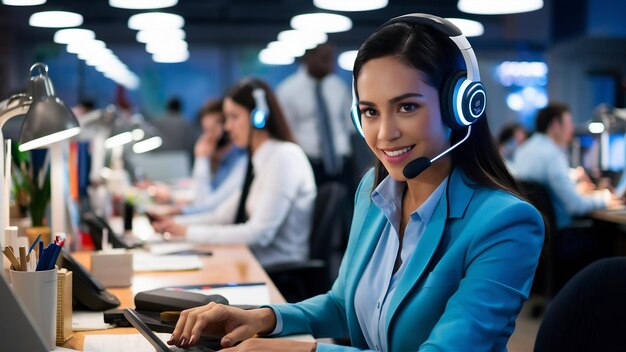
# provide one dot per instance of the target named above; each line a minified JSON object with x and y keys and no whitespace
{"x":325,"y":22}
{"x":158,"y":34}
{"x":164,"y":47}
{"x":66,"y":36}
{"x":346,"y":59}
{"x":23,"y":2}
{"x":155,"y":20}
{"x":498,"y":7}
{"x":306,"y":39}
{"x":75,"y":48}
{"x":290,"y":49}
{"x":142,"y":4}
{"x":171,"y":57}
{"x":55,"y":19}
{"x":350,"y":5}
{"x":469,"y":28}
{"x":275,"y":57}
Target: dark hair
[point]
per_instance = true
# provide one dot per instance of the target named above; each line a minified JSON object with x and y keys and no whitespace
{"x":174,"y":104}
{"x":211,"y":107}
{"x":437,"y":57}
{"x":545,"y":116}
{"x":508,"y":131}
{"x":276,"y":124}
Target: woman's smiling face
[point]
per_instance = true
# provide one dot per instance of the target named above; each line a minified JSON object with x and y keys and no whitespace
{"x":400,"y":114}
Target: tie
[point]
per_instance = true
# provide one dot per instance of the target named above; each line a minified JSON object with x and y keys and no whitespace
{"x":331,"y":162}
{"x":241,"y":216}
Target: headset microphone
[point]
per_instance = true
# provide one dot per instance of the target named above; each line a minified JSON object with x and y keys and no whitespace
{"x":415,"y":167}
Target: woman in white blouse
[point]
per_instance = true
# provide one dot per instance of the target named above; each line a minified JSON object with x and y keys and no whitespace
{"x":276,"y":215}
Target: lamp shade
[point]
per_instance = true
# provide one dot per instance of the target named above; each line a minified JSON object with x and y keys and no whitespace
{"x":48,"y":120}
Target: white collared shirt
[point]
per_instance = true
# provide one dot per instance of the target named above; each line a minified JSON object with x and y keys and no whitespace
{"x":279,"y":207}
{"x":296,"y":95}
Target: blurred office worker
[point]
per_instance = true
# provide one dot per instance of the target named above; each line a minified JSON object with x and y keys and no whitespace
{"x":543,"y":159}
{"x":219,"y":165}
{"x":316,"y":103}
{"x":441,"y":254}
{"x":177,"y":133}
{"x":274,"y":209}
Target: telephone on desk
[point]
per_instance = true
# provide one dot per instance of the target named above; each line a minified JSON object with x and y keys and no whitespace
{"x":87,"y":292}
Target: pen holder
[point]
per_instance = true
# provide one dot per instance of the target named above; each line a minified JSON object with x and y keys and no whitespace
{"x":38,"y":292}
{"x":113,"y":268}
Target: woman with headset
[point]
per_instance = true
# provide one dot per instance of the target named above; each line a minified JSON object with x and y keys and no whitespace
{"x":442,"y":249}
{"x":274,"y":210}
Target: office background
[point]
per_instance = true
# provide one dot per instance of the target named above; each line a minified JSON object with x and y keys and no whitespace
{"x":582,"y":42}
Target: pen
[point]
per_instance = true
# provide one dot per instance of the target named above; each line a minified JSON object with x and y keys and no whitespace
{"x":40,"y":249}
{"x":32,"y":246}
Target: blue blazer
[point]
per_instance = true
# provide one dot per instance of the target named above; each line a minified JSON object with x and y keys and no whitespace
{"x":462,"y":288}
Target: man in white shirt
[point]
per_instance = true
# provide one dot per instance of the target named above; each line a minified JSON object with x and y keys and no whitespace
{"x":316,"y":103}
{"x":543,"y":159}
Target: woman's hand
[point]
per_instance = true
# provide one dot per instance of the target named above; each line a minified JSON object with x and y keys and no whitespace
{"x":232,"y":324}
{"x":168,"y":225}
{"x":207,"y":143}
{"x":273,"y":345}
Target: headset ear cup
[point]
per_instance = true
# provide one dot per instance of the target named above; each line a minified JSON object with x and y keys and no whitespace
{"x":446,"y":99}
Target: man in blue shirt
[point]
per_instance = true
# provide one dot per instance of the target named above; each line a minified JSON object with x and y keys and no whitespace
{"x":543,"y":159}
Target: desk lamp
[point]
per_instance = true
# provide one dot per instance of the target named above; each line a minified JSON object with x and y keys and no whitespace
{"x":48,"y":123}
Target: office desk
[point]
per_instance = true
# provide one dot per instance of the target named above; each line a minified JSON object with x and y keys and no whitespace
{"x":617,"y":216}
{"x":229,"y":263}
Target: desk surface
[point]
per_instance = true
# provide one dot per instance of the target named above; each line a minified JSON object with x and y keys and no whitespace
{"x":617,"y":216}
{"x":229,"y":263}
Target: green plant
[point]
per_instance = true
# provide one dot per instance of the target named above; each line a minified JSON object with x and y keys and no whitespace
{"x":31,"y":186}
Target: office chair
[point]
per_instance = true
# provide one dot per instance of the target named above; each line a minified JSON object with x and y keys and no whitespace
{"x":566,"y":250}
{"x":539,"y":197}
{"x":331,"y":217}
{"x":589,"y":313}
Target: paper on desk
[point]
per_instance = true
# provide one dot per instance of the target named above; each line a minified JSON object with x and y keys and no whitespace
{"x":168,"y":247}
{"x":124,"y":343}
{"x":151,"y":262}
{"x":89,"y":321}
{"x":238,"y":294}
{"x":137,"y":343}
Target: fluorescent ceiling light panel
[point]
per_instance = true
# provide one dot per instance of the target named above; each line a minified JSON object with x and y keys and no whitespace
{"x":23,"y":2}
{"x":346,"y":59}
{"x":155,"y":20}
{"x":171,"y":57}
{"x":164,"y":47}
{"x":498,"y":7}
{"x":469,"y":28}
{"x":84,"y":47}
{"x":350,"y":5}
{"x":275,"y":57}
{"x":306,"y":39}
{"x":142,"y":4}
{"x":70,"y":35}
{"x":290,"y":49}
{"x":159,"y":34}
{"x":325,"y":22}
{"x":55,"y":19}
